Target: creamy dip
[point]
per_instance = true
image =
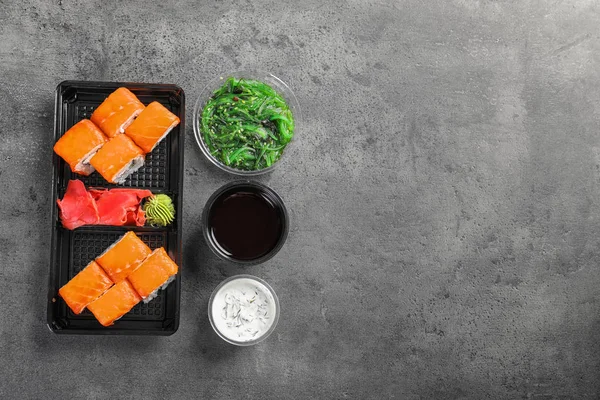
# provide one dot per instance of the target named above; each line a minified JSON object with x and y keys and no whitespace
{"x":243,"y":310}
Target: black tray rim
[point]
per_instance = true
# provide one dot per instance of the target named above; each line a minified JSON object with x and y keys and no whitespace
{"x":54,"y":209}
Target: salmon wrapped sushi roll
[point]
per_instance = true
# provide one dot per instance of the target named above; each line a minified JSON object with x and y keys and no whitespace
{"x":79,"y":144}
{"x":115,"y":303}
{"x":151,"y":126}
{"x":85,"y":287}
{"x":156,"y":272}
{"x":118,"y":159}
{"x":117,"y":112}
{"x":123,"y":256}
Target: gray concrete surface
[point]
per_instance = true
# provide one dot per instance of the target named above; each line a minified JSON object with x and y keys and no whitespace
{"x":443,"y":188}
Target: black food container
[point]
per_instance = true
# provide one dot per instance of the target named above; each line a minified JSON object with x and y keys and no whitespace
{"x":73,"y":250}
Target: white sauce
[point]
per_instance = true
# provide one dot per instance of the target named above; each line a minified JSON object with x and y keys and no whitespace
{"x":243,"y":310}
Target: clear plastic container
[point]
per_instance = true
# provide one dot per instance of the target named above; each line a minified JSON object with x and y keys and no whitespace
{"x":217,"y":301}
{"x":277,"y":84}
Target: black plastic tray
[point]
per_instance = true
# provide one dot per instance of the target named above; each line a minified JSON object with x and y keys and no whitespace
{"x":73,"y":250}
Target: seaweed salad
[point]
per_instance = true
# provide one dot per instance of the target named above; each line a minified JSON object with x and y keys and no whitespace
{"x":246,"y":124}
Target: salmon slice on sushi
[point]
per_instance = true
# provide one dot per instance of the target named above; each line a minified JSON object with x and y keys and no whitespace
{"x":123,"y":256}
{"x":151,"y":126}
{"x":117,"y":112}
{"x":156,"y":272}
{"x":79,"y":144}
{"x":115,"y":303}
{"x":118,"y":159}
{"x":85,"y":287}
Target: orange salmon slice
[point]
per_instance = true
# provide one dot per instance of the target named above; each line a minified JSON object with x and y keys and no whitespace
{"x":85,"y":287}
{"x":115,"y":303}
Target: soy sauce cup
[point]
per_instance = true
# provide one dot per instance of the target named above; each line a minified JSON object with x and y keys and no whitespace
{"x":245,"y":222}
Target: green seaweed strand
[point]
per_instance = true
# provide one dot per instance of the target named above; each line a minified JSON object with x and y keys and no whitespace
{"x":246,"y":124}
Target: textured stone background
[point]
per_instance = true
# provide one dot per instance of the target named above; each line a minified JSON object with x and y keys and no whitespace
{"x":443,"y":192}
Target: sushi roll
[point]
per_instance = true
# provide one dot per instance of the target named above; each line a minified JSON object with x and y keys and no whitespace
{"x":117,"y":112}
{"x":118,"y":159}
{"x":79,"y":144}
{"x":115,"y":303}
{"x":156,"y":272}
{"x":151,"y":126}
{"x":85,"y":287}
{"x":123,"y":256}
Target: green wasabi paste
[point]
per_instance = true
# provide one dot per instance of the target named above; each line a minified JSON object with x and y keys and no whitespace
{"x":160,"y":210}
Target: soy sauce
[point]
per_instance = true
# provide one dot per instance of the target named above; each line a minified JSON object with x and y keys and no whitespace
{"x":245,"y":224}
